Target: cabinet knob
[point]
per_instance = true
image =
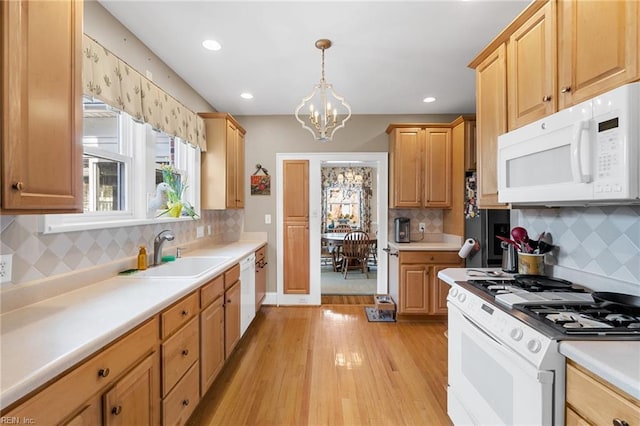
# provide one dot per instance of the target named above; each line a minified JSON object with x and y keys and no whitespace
{"x":546,"y":98}
{"x":103,"y":372}
{"x":185,"y":352}
{"x":619,"y":422}
{"x":229,"y":301}
{"x":185,"y":402}
{"x":18,"y":186}
{"x":565,"y":89}
{"x":184,"y":313}
{"x":116,"y":410}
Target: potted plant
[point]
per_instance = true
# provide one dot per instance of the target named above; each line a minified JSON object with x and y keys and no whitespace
{"x":175,"y":204}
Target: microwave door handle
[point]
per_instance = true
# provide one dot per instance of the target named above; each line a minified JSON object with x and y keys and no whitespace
{"x":576,"y":152}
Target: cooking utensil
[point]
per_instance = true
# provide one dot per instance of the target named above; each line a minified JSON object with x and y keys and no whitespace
{"x":479,"y":273}
{"x":520,"y":236}
{"x":507,"y":240}
{"x":620,"y":299}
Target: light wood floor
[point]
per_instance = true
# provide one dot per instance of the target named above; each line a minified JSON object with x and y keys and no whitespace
{"x":329,"y":366}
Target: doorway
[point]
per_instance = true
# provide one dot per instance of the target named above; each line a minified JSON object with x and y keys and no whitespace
{"x":378,"y":163}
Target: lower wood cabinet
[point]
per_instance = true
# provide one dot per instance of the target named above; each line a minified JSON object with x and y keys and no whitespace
{"x":231,"y":318}
{"x":179,"y":404}
{"x":593,"y":401}
{"x":211,"y":332}
{"x":420,"y":289}
{"x":261,"y":276}
{"x":119,"y":382}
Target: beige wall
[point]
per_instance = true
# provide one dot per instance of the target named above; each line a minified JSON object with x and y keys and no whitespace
{"x":268,"y":135}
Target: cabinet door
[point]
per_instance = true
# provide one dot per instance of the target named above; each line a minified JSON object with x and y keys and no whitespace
{"x":437,"y":169}
{"x":531,"y":68}
{"x":134,"y":399}
{"x":89,"y":415}
{"x":239,"y":170}
{"x":232,"y":165}
{"x":296,"y":226}
{"x":406,"y":164}
{"x":598,"y":47}
{"x":41,"y":106}
{"x":439,"y":292}
{"x":491,"y":120}
{"x":231,"y":318}
{"x":211,"y":343}
{"x":470,"y":145}
{"x":414,"y":289}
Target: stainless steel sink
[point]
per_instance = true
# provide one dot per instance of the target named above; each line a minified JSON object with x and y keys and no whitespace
{"x":184,"y":267}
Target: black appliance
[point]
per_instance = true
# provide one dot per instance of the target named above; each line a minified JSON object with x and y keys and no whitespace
{"x":402,"y":229}
{"x":484,"y":227}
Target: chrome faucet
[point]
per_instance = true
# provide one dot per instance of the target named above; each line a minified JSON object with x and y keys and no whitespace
{"x":163,"y":236}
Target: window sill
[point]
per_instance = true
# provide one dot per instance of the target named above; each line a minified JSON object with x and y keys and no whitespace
{"x":47,"y":228}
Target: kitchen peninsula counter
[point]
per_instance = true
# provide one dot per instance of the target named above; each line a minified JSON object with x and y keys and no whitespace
{"x":44,"y":339}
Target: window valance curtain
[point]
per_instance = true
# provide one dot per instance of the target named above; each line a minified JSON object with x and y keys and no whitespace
{"x":116,"y":83}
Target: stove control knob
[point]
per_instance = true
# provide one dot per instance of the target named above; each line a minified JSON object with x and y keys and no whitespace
{"x":462,"y":297}
{"x":534,"y":345}
{"x":516,"y":334}
{"x":453,"y":292}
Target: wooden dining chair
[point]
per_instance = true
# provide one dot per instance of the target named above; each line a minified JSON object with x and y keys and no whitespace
{"x":342,"y":228}
{"x":355,"y":251}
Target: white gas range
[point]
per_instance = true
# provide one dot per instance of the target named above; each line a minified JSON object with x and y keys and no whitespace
{"x":504,"y":363}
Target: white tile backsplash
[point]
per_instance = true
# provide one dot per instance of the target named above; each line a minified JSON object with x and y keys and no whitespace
{"x":599,"y":241}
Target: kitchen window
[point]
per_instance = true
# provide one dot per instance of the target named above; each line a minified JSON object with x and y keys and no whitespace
{"x":122,"y":163}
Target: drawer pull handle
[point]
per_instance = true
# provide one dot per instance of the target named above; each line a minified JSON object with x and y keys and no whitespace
{"x":185,"y":402}
{"x":185,"y":313}
{"x":103,"y":372}
{"x":618,"y":422}
{"x":185,"y":352}
{"x":546,"y":98}
{"x":18,"y":186}
{"x":565,"y":89}
{"x":116,"y":410}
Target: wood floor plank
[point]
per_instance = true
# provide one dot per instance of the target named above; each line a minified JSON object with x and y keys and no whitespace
{"x":329,"y":366}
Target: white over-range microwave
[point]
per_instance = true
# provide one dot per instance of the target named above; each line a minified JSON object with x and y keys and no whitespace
{"x":585,"y":154}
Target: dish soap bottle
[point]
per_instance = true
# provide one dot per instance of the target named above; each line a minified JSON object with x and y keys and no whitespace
{"x":142,"y":258}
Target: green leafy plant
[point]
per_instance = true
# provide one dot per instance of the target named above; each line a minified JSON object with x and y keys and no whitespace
{"x":175,"y":205}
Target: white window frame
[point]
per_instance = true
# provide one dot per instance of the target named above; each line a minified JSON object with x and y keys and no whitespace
{"x":138,"y":140}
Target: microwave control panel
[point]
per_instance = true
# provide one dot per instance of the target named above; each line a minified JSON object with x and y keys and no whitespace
{"x":609,"y":158}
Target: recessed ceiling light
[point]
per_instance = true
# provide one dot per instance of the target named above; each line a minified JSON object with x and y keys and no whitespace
{"x":211,"y":45}
{"x":246,"y":95}
{"x":429,"y":99}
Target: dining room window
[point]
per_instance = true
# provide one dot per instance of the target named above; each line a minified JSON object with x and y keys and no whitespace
{"x":346,"y":197}
{"x":343,"y":208}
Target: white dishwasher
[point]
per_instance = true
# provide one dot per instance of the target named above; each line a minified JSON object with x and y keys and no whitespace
{"x":247,"y":291}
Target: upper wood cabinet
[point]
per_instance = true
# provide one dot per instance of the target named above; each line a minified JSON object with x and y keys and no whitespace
{"x":222,"y":163}
{"x":531,"y":53}
{"x":491,"y":121}
{"x":41,"y":106}
{"x":420,"y":165}
{"x":597,"y":47}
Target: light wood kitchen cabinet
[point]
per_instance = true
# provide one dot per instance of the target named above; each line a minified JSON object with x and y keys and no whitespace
{"x":222,"y":172}
{"x":593,"y":401}
{"x":491,"y":121}
{"x":597,"y":48}
{"x":420,"y":165}
{"x":180,"y":331}
{"x":261,"y":276}
{"x":531,"y":68}
{"x":296,"y":226}
{"x":41,"y":106}
{"x":211,"y":332}
{"x":420,"y":289}
{"x":231,"y":318}
{"x":123,"y":374}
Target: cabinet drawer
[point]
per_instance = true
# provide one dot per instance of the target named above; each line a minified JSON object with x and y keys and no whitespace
{"x":597,"y":402}
{"x":261,"y":253}
{"x":211,"y":291}
{"x":179,"y":314}
{"x":231,"y":275}
{"x":437,"y":257}
{"x":58,"y":400}
{"x":183,"y":399}
{"x":179,"y":352}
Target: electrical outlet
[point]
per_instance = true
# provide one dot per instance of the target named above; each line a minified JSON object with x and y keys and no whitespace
{"x":5,"y":268}
{"x":208,"y":229}
{"x":199,"y":231}
{"x":421,"y":227}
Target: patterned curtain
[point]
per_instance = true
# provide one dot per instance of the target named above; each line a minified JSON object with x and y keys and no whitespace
{"x":329,"y":179}
{"x":115,"y":83}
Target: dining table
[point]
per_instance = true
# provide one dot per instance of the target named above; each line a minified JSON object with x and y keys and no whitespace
{"x":334,"y":241}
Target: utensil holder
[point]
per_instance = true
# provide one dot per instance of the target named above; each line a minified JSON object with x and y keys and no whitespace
{"x":530,"y":264}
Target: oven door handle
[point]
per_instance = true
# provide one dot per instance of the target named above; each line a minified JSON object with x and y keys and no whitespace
{"x":477,"y":327}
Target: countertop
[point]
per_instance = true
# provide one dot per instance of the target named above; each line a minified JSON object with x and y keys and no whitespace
{"x":42,"y":340}
{"x":617,"y":362}
{"x":440,"y":242}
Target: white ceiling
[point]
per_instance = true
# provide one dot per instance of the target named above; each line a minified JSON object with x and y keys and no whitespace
{"x":386,"y":55}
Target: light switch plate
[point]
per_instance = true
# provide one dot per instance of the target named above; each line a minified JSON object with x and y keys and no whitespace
{"x":267,"y":219}
{"x":5,"y":268}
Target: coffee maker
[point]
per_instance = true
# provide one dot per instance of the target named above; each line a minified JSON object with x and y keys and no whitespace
{"x":402,"y":228}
